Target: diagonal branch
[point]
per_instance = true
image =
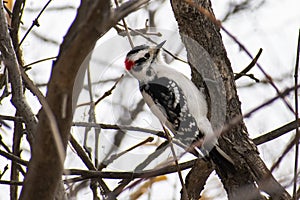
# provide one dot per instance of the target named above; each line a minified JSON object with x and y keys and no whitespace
{"x":276,"y":133}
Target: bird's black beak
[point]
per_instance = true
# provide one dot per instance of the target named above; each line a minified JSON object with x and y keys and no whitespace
{"x":160,"y":44}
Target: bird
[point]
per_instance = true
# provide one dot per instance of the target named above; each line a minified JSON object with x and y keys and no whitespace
{"x":178,"y":104}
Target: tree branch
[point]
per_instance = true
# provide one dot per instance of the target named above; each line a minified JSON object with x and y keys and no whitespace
{"x":10,"y":61}
{"x":88,"y":174}
{"x":276,"y":133}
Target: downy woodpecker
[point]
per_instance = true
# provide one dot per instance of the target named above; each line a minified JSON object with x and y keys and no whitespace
{"x":175,"y":101}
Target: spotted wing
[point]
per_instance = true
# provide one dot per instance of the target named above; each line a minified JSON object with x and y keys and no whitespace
{"x":172,"y":104}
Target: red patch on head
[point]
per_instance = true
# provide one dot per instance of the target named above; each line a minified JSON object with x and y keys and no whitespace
{"x":129,"y":64}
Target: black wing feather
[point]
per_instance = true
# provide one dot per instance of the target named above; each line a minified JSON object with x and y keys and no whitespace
{"x":168,"y":95}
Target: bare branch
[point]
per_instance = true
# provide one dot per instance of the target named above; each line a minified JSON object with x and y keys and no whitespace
{"x":13,"y":158}
{"x":288,"y":147}
{"x":11,"y":182}
{"x":297,"y":136}
{"x":128,"y":175}
{"x":249,"y":67}
{"x":276,"y":133}
{"x":12,"y":65}
{"x":38,"y":61}
{"x":35,"y":22}
{"x":126,"y":27}
{"x":116,"y":156}
{"x":283,"y":77}
{"x":108,"y":93}
{"x":127,"y":8}
{"x":119,"y":127}
{"x":88,"y":163}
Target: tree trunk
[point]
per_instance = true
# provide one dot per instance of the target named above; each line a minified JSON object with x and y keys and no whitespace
{"x":211,"y":68}
{"x":93,"y":20}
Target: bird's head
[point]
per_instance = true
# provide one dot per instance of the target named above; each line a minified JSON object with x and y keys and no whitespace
{"x":140,"y":61}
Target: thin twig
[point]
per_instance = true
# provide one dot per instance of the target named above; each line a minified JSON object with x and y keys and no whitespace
{"x":4,"y":145}
{"x":126,"y":27}
{"x":88,"y":163}
{"x":3,"y":171}
{"x":282,"y":78}
{"x":14,"y":158}
{"x":11,"y":118}
{"x":285,"y":151}
{"x":276,"y":133}
{"x":251,"y":76}
{"x":120,"y":134}
{"x":3,"y":182}
{"x":34,"y":22}
{"x":106,"y":94}
{"x":109,"y":92}
{"x":87,"y":129}
{"x":249,"y":67}
{"x":92,"y":119}
{"x":81,"y":153}
{"x":185,"y":195}
{"x":7,"y":10}
{"x":38,"y":61}
{"x":236,"y":8}
{"x":119,"y":127}
{"x":88,"y":174}
{"x":92,"y":116}
{"x":143,"y":34}
{"x":116,"y":156}
{"x":296,"y":116}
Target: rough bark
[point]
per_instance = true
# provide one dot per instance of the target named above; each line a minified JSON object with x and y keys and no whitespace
{"x":195,"y":181}
{"x":251,"y":176}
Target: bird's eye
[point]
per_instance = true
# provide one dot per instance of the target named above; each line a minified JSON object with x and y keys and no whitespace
{"x":140,"y":60}
{"x":143,"y":59}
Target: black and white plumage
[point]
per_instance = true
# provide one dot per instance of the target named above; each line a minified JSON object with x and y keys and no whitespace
{"x":171,"y":101}
{"x":174,"y":100}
